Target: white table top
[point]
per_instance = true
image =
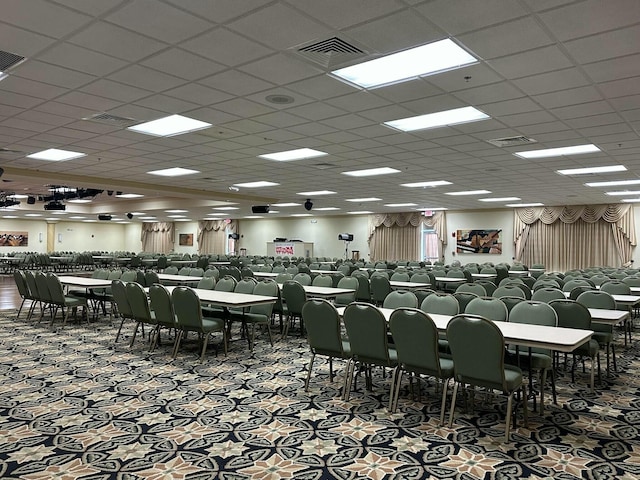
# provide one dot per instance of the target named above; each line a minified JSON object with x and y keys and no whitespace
{"x":519,"y":273}
{"x":451,"y":280}
{"x":554,"y":338}
{"x":229,"y":299}
{"x":408,"y":285}
{"x":484,"y":275}
{"x":324,"y":292}
{"x":608,"y":317}
{"x":326,"y":272}
{"x":219,"y":263}
{"x":183,"y":262}
{"x":267,"y":274}
{"x":86,"y":282}
{"x":177,"y":278}
{"x":621,"y":299}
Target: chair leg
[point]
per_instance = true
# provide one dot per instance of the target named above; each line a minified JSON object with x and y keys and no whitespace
{"x":443,"y":404}
{"x":453,"y":403}
{"x":135,"y":332}
{"x":348,"y":379}
{"x":395,"y":382}
{"x":119,"y":329}
{"x":508,"y":418}
{"x":306,"y":382}
{"x":205,"y":341}
{"x":176,"y":344}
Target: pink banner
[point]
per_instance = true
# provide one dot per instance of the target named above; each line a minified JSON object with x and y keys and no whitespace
{"x":284,"y":248}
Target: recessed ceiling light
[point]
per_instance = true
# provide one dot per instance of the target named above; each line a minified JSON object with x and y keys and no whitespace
{"x":435,"y":183}
{"x":224,"y":208}
{"x":301,"y":215}
{"x":55,"y":155}
{"x":326,"y":209}
{"x":89,"y":221}
{"x":18,"y":196}
{"x":274,"y":211}
{"x":290,"y":155}
{"x":614,"y":183}
{"x":319,"y":192}
{"x":9,"y":216}
{"x":253,"y":216}
{"x":32,"y":214}
{"x":173,"y":172}
{"x":438,"y":119}
{"x":469,"y":192}
{"x":170,"y":126}
{"x":147,"y":218}
{"x":419,"y":61}
{"x":289,"y":204}
{"x":129,"y":195}
{"x":79,"y":200}
{"x":400,"y":204}
{"x":371,"y":172}
{"x":535,"y":204}
{"x":588,"y":170}
{"x":2,"y":77}
{"x":364,"y":199}
{"x":635,"y":192}
{"x":176,"y":216}
{"x":176,"y":211}
{"x":432,"y":209}
{"x":360,"y":212}
{"x":182,"y":220}
{"x":631,"y":200}
{"x":59,"y":213}
{"x":138,"y":213}
{"x":558,"y":152}
{"x":124,"y":223}
{"x":258,"y":184}
{"x":502,"y":199}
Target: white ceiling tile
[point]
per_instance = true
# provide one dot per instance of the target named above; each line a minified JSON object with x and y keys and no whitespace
{"x":221,"y":10}
{"x":18,"y":100}
{"x":489,"y":93}
{"x":279,"y":26}
{"x":582,"y":110}
{"x":510,"y":107}
{"x":182,"y":64}
{"x":115,"y":90}
{"x":281,"y":69}
{"x":621,"y":88}
{"x":532,"y":62}
{"x":236,"y":83}
{"x":199,"y":94}
{"x":552,"y":81}
{"x":116,"y":41}
{"x":167,"y":104}
{"x":28,"y":87}
{"x":146,"y":78}
{"x":568,"y":97}
{"x":613,"y":69}
{"x":80,"y":59}
{"x":406,"y":91}
{"x":92,"y":7}
{"x":243,"y":108}
{"x":605,"y":45}
{"x":507,"y":38}
{"x":340,"y":14}
{"x":464,"y":78}
{"x":50,"y":19}
{"x":166,"y":23}
{"x":321,"y":87}
{"x":226,"y":47}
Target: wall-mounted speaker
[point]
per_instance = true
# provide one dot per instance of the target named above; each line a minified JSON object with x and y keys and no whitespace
{"x":234,"y":236}
{"x":260,"y":209}
{"x":129,"y":216}
{"x":31,"y":200}
{"x":308,"y":205}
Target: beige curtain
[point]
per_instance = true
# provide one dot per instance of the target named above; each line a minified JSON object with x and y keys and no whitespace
{"x":575,"y":236}
{"x":212,"y":236}
{"x":157,"y":237}
{"x":396,"y":236}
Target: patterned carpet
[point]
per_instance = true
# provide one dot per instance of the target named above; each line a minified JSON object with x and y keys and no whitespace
{"x":73,"y":406}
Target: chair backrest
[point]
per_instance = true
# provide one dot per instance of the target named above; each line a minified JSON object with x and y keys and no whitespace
{"x":547,"y":294}
{"x":21,"y":283}
{"x":322,"y":281}
{"x":138,"y":301}
{"x":212,"y":272}
{"x":171,"y":270}
{"x":401,"y":298}
{"x":463,"y":299}
{"x":234,"y":271}
{"x":363,"y":294}
{"x":367,"y":331}
{"x":119,"y":292}
{"x":247,"y":272}
{"x":415,"y":337}
{"x":294,"y":295}
{"x":130,"y":276}
{"x":632,"y":281}
{"x":114,"y":274}
{"x":509,"y":291}
{"x":302,"y":278}
{"x":534,"y":313}
{"x":161,"y":304}
{"x":489,"y":270}
{"x":56,"y":292}
{"x":422,"y":293}
{"x":488,"y":285}
{"x":150,"y":277}
{"x":420,"y":277}
{"x":184,"y":271}
{"x":442,"y":303}
{"x":571,"y":314}
{"x":31,"y":283}
{"x":477,"y":347}
{"x":43,"y":287}
{"x":578,"y":282}
{"x":268,"y":288}
{"x":347,"y":298}
{"x":475,"y":288}
{"x":379,"y":274}
{"x":246,"y":285}
{"x":207,"y":283}
{"x":488,"y":307}
{"x":544,"y":283}
{"x":455,"y":273}
{"x":283,"y":277}
{"x":322,"y":322}
{"x":293,"y":270}
{"x":400,"y":277}
{"x":162,"y":262}
{"x":597,"y":299}
{"x":380,"y":288}
{"x":226,"y":284}
{"x":196,"y":272}
{"x":186,"y":306}
{"x":599,"y":279}
{"x":615,"y":287}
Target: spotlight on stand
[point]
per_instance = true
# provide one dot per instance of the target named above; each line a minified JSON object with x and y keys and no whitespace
{"x":234,"y":236}
{"x":347,"y":237}
{"x":308,"y":205}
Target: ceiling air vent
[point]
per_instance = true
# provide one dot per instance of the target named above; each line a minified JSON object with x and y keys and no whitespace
{"x":331,"y":52}
{"x":111,"y":119}
{"x":8,"y":60}
{"x":511,"y":141}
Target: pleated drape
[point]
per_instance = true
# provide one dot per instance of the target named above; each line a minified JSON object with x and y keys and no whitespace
{"x":575,"y":236}
{"x":157,"y":237}
{"x":212,"y":236}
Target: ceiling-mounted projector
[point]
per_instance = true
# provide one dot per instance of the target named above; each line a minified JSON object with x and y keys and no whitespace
{"x":105,"y":217}
{"x":260,"y":209}
{"x":55,"y":206}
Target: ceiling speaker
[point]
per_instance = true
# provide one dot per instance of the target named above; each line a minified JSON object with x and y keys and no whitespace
{"x":129,"y":216}
{"x":260,"y":209}
{"x":308,"y":205}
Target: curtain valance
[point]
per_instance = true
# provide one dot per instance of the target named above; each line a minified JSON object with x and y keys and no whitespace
{"x":438,"y":222}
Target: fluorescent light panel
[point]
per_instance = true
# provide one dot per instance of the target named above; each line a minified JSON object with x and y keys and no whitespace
{"x":359,"y":212}
{"x":558,"y":152}
{"x":435,"y":183}
{"x":614,"y":183}
{"x":130,"y":195}
{"x":258,"y":184}
{"x":318,"y":192}
{"x":469,"y":192}
{"x":301,"y":215}
{"x":79,"y":200}
{"x":400,"y":204}
{"x":173,"y":172}
{"x":588,"y":170}
{"x":225,"y":208}
{"x":503,"y":199}
{"x":534,"y":204}
{"x":56,"y":155}
{"x":418,"y":61}
{"x":370,"y":172}
{"x":290,"y":155}
{"x":288,"y":204}
{"x":438,"y":119}
{"x":170,"y":126}
{"x":631,"y":200}
{"x":433,"y":209}
{"x":635,"y":192}
{"x":326,"y":209}
{"x":365,"y":199}
{"x":176,"y":211}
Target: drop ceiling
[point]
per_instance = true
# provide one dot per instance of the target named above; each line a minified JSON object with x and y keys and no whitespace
{"x":559,"y":72}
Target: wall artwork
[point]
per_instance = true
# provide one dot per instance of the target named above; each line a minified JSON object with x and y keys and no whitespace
{"x":185,"y":239}
{"x":14,"y":239}
{"x":479,"y":241}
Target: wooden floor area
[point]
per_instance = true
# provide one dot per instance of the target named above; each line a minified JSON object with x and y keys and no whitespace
{"x":9,"y":296}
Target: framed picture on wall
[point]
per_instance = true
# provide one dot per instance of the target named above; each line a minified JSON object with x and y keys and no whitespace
{"x":479,"y":241}
{"x":185,"y":239}
{"x":14,"y":239}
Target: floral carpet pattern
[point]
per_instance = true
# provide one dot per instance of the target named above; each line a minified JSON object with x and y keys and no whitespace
{"x":74,"y":405}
